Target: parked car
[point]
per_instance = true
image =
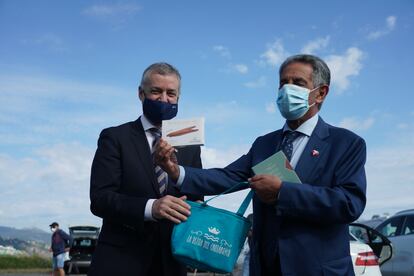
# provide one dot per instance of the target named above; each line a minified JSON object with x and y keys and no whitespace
{"x":374,"y":221}
{"x":369,"y":249}
{"x":85,"y":239}
{"x":399,"y":229}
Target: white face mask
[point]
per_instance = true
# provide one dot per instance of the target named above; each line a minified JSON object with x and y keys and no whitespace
{"x":53,"y":229}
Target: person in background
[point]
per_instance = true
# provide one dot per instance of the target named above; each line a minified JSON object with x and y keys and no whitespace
{"x":246,"y":261}
{"x":60,"y":245}
{"x":132,"y":195}
{"x":298,"y":228}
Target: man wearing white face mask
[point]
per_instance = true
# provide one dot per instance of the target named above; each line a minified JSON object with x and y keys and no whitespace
{"x":61,"y":243}
{"x":298,"y":229}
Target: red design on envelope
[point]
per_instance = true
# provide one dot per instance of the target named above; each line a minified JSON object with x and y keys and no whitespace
{"x":287,"y":165}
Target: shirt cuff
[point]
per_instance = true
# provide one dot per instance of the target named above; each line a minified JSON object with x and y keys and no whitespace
{"x":148,"y":210}
{"x":180,"y":179}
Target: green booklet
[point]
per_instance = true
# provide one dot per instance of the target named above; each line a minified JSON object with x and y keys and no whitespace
{"x":277,"y":165}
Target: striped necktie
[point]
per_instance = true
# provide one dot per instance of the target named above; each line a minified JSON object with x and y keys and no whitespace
{"x":159,"y":173}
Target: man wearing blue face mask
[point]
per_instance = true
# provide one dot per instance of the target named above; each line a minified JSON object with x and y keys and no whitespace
{"x":133,"y":195}
{"x":298,"y":229}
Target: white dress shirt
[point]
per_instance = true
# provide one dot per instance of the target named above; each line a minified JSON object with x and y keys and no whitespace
{"x":147,"y":125}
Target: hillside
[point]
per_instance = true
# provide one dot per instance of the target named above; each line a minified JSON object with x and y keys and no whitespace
{"x":24,"y":241}
{"x":25,"y":234}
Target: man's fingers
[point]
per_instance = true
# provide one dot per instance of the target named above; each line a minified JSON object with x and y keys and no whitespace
{"x":173,"y":215}
{"x":256,"y":178}
{"x":181,"y":206}
{"x":164,"y":147}
{"x":171,"y":218}
{"x":172,"y":208}
{"x":177,"y":215}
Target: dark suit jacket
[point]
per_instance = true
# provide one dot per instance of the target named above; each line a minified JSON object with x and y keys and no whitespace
{"x":308,"y":226}
{"x":122,"y":180}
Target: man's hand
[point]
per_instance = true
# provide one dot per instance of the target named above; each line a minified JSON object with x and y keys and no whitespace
{"x":266,"y":187}
{"x":67,"y":249}
{"x":164,"y":156}
{"x":172,"y":208}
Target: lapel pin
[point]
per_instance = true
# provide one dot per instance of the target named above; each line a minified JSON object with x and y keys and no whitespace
{"x":315,"y":153}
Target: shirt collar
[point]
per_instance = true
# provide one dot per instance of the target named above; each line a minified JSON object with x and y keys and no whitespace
{"x":306,"y":128}
{"x":146,"y":124}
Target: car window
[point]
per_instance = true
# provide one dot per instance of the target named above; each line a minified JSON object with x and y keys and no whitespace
{"x":360,"y":233}
{"x":408,"y":225}
{"x":391,"y":227}
{"x":352,"y":238}
{"x":83,"y":243}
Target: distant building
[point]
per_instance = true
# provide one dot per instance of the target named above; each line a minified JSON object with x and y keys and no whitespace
{"x":10,"y":250}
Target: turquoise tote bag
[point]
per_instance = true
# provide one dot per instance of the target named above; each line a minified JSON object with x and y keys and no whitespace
{"x":211,"y":239}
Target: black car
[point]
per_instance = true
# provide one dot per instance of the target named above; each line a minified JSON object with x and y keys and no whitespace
{"x":85,"y":239}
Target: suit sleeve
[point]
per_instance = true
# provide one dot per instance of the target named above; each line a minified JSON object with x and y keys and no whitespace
{"x":196,"y":163}
{"x":215,"y":181}
{"x":106,"y":174}
{"x":341,"y":202}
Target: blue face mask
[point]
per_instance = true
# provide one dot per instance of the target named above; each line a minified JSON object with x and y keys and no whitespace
{"x":293,"y":102}
{"x":156,"y":111}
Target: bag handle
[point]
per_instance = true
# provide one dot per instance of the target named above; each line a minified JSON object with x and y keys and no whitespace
{"x":246,"y":201}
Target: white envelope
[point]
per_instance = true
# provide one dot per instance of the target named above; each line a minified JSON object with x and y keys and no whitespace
{"x":183,"y":132}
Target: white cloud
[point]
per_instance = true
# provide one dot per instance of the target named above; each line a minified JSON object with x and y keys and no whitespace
{"x":402,"y":126}
{"x":241,"y":68}
{"x":344,"y":66}
{"x":48,"y":40}
{"x":223,"y":51}
{"x":390,"y":22}
{"x":115,"y":14}
{"x":259,"y":83}
{"x":38,"y":109}
{"x":275,"y":54}
{"x":271,"y":107}
{"x":214,"y":158}
{"x":51,"y":184}
{"x":104,"y":11}
{"x":315,"y":45}
{"x":390,"y":178}
{"x":356,"y":124}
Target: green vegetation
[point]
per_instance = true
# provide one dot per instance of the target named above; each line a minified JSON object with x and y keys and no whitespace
{"x":23,"y":262}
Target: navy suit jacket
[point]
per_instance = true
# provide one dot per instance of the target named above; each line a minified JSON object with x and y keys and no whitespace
{"x":122,"y":181}
{"x":308,"y":226}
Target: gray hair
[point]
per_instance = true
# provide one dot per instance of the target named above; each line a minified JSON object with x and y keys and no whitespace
{"x":161,"y":68}
{"x":321,"y":74}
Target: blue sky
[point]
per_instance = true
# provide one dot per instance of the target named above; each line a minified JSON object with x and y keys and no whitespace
{"x":68,"y":69}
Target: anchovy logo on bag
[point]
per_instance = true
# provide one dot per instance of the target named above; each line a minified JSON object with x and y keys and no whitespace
{"x":214,"y":230}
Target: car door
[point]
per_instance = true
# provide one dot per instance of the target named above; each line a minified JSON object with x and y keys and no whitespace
{"x":404,"y":247}
{"x":408,"y":244}
{"x":380,"y":245}
{"x":392,"y":228}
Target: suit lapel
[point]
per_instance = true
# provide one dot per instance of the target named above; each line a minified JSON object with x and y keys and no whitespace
{"x":139,"y":139}
{"x":309,"y":159}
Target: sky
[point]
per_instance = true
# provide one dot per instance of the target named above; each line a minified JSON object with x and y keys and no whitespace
{"x":69,"y":69}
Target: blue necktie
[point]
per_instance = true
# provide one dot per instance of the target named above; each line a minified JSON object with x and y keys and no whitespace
{"x":287,"y":143}
{"x":159,"y":173}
